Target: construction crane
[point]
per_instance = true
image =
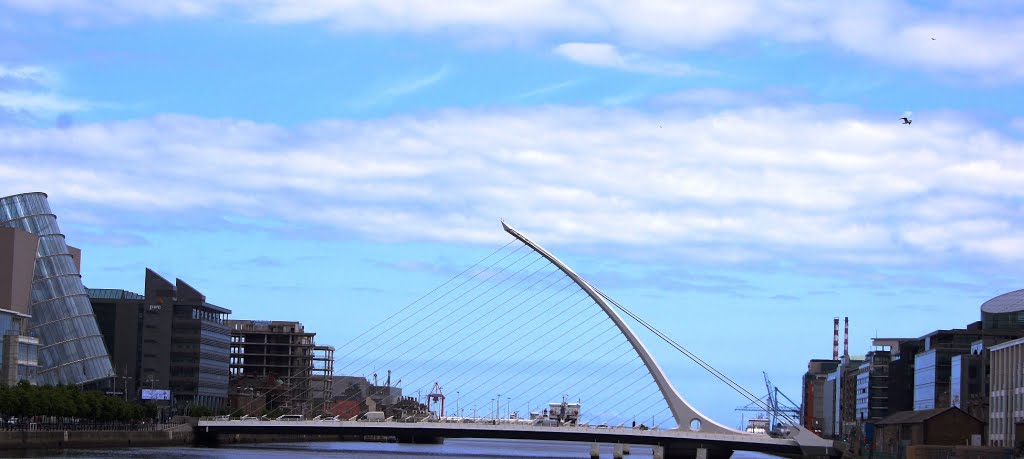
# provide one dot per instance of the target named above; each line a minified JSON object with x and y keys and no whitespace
{"x":775,"y":405}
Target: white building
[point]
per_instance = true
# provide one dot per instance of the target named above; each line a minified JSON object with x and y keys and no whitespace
{"x":1006,"y":404}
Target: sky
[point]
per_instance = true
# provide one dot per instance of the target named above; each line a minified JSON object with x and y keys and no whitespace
{"x":733,"y":171}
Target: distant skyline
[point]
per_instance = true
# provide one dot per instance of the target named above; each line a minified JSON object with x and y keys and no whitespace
{"x":736,"y":172}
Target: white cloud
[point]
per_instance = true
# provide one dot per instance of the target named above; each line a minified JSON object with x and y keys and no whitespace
{"x":608,"y":56}
{"x":1017,"y":123}
{"x":46,"y":103}
{"x":708,"y":96}
{"x":31,"y":91}
{"x":985,"y":38}
{"x":807,"y":181}
{"x":403,"y":88}
{"x":27,"y":74}
{"x":548,"y":89}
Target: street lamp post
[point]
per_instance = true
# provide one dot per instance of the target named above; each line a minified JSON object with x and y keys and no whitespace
{"x":497,"y":407}
{"x":457,"y":404}
{"x":508,"y":408}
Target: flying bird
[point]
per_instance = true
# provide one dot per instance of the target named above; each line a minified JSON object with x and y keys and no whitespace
{"x":907,"y":120}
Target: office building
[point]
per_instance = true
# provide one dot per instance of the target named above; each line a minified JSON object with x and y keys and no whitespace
{"x":200,"y":345}
{"x":1006,"y":406}
{"x":812,"y":405}
{"x":1004,"y":312}
{"x":933,"y":366}
{"x":872,"y":399}
{"x":119,"y":317}
{"x":71,"y":349}
{"x":840,"y":399}
{"x":168,"y":344}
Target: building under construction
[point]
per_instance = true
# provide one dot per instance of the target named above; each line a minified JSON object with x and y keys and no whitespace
{"x":279,"y":363}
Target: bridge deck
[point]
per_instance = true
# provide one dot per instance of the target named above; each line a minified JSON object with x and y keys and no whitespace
{"x":667,"y":438}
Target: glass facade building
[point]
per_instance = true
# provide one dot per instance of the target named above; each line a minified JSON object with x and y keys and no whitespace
{"x":1004,"y":312}
{"x":199,"y":351}
{"x":71,"y":349}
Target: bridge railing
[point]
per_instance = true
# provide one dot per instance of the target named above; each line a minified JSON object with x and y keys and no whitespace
{"x":515,"y":423}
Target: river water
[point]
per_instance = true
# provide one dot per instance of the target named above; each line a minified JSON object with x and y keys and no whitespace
{"x":457,"y":448}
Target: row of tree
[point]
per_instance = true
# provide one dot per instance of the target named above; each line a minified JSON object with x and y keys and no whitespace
{"x":24,"y":400}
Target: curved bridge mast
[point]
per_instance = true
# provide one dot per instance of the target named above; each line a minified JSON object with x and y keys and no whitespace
{"x":687,"y":417}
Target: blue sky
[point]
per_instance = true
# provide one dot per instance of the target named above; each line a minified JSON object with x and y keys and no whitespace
{"x":734,"y":171}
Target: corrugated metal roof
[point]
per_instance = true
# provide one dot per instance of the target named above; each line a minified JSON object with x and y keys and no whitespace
{"x":1007,"y":302}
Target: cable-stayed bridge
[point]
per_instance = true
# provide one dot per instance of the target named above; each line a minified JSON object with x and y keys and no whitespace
{"x":513,"y":333}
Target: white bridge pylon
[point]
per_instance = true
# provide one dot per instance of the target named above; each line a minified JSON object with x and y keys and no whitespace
{"x":687,"y":417}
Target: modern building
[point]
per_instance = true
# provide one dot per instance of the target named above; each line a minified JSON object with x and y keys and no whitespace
{"x":279,"y":359}
{"x":119,"y":316}
{"x":812,"y":405}
{"x":168,"y":345}
{"x":872,"y":399}
{"x":1004,"y":312}
{"x":1006,"y":418}
{"x":17,"y":349}
{"x":969,"y":379}
{"x":933,"y":364}
{"x":200,"y":347}
{"x":840,"y":399}
{"x":71,"y":349}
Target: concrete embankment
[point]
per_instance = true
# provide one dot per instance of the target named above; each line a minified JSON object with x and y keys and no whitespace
{"x":59,"y":439}
{"x":182,"y":435}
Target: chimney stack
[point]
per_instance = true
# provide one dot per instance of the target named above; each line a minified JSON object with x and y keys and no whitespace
{"x":835,"y":338}
{"x":846,"y":338}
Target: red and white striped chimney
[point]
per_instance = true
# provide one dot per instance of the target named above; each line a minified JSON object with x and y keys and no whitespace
{"x":835,"y":338}
{"x":846,"y":338}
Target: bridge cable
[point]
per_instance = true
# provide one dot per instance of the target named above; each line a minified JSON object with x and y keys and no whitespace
{"x":495,"y":364}
{"x":403,"y":309}
{"x":459,"y":308}
{"x":383,"y":322}
{"x":484,"y":328}
{"x":711,"y":369}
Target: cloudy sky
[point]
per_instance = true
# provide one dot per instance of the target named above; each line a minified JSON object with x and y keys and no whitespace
{"x":734,"y":171}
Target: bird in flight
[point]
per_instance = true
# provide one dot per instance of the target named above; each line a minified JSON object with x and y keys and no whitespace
{"x":907,"y":120}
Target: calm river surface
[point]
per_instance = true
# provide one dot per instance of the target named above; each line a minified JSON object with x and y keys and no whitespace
{"x":459,"y":448}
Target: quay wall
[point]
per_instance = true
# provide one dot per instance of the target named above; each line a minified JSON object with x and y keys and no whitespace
{"x":60,"y":439}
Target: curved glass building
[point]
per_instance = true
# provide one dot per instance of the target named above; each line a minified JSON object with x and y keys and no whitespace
{"x":1005,"y":311}
{"x":71,"y":349}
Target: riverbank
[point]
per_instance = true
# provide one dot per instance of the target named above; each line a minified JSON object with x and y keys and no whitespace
{"x":180,"y":435}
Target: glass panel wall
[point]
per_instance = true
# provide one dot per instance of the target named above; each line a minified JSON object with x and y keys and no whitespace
{"x":71,"y":350}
